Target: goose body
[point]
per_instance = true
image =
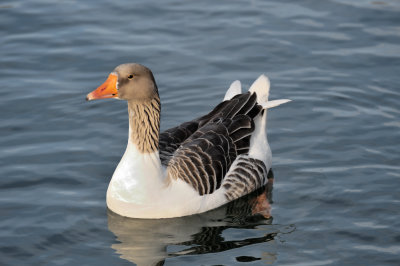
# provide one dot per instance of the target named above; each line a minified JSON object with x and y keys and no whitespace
{"x":196,"y":166}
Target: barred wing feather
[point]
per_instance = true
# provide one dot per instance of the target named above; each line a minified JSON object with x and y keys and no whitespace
{"x":204,"y":158}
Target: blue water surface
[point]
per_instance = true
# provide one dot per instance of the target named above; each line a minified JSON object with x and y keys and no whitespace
{"x":336,"y":157}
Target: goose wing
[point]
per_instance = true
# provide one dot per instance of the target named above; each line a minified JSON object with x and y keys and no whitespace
{"x":203,"y":158}
{"x":171,"y":139}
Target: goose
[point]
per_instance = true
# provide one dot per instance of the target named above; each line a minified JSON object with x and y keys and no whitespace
{"x":196,"y":166}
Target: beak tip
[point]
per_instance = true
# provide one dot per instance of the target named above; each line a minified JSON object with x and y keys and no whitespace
{"x":89,"y":97}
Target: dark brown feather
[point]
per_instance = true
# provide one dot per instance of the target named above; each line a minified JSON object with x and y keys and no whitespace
{"x":210,"y":143}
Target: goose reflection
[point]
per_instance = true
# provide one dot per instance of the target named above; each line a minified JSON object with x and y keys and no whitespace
{"x":150,"y":242}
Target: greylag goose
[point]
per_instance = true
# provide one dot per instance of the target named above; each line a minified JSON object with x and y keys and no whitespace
{"x":196,"y":166}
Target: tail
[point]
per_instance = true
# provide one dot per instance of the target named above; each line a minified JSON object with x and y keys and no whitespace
{"x":261,"y":87}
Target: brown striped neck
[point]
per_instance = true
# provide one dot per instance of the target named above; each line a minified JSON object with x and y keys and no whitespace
{"x":144,"y":124}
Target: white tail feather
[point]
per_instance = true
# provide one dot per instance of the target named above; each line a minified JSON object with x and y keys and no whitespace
{"x":261,"y":88}
{"x":274,"y":103}
{"x":234,"y":89}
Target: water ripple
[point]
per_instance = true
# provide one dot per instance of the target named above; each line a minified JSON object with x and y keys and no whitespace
{"x":335,"y":146}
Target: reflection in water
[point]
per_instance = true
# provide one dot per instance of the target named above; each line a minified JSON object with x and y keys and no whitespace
{"x":150,"y":242}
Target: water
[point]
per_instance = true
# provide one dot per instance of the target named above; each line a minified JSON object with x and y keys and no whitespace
{"x":336,"y":147}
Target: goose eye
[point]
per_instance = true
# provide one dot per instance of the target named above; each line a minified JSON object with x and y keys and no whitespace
{"x":130,"y":77}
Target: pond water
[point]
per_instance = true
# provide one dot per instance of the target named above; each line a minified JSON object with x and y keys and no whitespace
{"x":336,"y":157}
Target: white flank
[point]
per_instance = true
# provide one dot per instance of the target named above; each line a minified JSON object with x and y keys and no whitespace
{"x":259,"y":147}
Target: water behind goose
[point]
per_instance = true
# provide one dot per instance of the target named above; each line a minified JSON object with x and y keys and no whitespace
{"x":335,"y":147}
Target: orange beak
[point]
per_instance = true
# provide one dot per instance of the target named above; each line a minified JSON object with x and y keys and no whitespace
{"x":106,"y":90}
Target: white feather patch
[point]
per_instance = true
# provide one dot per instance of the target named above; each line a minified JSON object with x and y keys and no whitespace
{"x":234,"y":89}
{"x":261,"y":88}
{"x":274,"y":103}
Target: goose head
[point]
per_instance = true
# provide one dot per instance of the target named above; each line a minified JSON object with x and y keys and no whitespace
{"x":131,"y":82}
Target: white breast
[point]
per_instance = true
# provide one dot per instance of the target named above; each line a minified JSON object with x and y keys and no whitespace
{"x":139,"y":189}
{"x":136,"y":176}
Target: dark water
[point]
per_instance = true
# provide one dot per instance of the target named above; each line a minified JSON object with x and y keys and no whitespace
{"x":336,"y":198}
